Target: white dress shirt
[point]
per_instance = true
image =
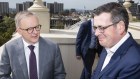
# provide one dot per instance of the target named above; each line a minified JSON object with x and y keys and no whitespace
{"x":27,"y":54}
{"x":92,"y":23}
{"x":111,"y":51}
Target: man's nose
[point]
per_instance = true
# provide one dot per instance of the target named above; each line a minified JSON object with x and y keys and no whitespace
{"x":35,"y":31}
{"x":96,"y":32}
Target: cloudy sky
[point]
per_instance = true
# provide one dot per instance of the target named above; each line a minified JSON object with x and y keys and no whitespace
{"x":68,"y":4}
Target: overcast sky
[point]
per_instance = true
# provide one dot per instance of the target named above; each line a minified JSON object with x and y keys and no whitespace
{"x":68,"y":4}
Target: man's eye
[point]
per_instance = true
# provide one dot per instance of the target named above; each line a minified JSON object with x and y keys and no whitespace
{"x":30,"y":28}
{"x":101,"y":28}
{"x":37,"y":27}
{"x":94,"y":27}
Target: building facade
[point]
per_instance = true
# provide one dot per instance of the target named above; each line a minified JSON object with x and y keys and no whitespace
{"x":55,"y":7}
{"x":4,"y":8}
{"x":19,"y":7}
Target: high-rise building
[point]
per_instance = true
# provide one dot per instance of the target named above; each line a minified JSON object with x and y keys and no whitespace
{"x":55,"y":7}
{"x":19,"y":7}
{"x":51,"y":7}
{"x":58,"y":7}
{"x":4,"y":8}
{"x":120,"y":1}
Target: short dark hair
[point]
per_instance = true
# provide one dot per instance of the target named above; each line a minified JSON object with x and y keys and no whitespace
{"x":117,"y":11}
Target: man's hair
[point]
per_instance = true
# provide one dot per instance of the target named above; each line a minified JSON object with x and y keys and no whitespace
{"x":117,"y":11}
{"x":23,"y":14}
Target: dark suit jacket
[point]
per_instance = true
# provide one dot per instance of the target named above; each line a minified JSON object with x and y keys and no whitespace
{"x":83,"y":38}
{"x":124,"y":64}
{"x":13,"y":61}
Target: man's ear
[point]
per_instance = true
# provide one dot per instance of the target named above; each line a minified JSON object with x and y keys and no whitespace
{"x":121,"y":27}
{"x":18,"y":30}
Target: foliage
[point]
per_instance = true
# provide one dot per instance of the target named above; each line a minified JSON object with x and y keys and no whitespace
{"x":7,"y":28}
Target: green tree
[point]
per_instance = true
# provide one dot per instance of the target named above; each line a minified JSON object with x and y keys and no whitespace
{"x":7,"y":28}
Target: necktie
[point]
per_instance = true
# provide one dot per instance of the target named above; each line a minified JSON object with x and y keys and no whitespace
{"x":32,"y":63}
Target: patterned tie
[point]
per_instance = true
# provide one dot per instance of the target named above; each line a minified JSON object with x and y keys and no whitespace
{"x":32,"y":63}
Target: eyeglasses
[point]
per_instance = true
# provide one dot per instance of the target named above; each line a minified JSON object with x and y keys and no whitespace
{"x":31,"y":29}
{"x":102,"y":28}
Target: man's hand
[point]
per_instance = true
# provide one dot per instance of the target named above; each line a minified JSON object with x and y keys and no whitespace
{"x":78,"y":57}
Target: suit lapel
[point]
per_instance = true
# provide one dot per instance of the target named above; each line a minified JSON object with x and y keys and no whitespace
{"x":42,"y":56}
{"x":109,"y":66}
{"x":21,"y":57}
{"x":121,"y":51}
{"x":100,"y":63}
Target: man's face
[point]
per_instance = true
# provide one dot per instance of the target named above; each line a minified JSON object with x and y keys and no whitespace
{"x":26,"y":23}
{"x":109,"y":36}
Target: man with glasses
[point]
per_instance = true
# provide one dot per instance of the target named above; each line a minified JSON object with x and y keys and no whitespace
{"x":30,"y":56}
{"x":87,"y":46}
{"x":120,"y":58}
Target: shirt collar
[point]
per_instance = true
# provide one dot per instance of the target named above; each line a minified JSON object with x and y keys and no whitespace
{"x":115,"y":47}
{"x":92,"y":22}
{"x":27,"y":44}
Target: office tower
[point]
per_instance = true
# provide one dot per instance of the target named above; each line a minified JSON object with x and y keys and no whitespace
{"x":4,"y":8}
{"x":55,"y":7}
{"x":120,"y":1}
{"x":51,"y":7}
{"x":19,"y":7}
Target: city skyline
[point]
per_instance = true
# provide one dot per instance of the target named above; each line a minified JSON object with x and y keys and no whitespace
{"x":68,"y":4}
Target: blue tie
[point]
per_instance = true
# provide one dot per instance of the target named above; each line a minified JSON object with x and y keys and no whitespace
{"x":32,"y":63}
